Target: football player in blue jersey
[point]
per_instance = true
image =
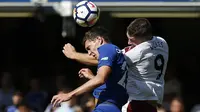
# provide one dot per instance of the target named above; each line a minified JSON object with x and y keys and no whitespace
{"x":108,"y":81}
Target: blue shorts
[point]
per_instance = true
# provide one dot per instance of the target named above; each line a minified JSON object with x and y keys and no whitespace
{"x":106,"y":107}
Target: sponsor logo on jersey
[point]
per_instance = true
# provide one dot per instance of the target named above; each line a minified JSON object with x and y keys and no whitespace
{"x":104,"y":58}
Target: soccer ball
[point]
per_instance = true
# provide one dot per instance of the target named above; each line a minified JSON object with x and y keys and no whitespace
{"x":86,"y":13}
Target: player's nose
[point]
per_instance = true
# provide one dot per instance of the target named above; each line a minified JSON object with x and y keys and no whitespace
{"x":130,"y":42}
{"x":90,"y":53}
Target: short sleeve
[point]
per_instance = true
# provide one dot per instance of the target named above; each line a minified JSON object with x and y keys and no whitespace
{"x":107,"y":55}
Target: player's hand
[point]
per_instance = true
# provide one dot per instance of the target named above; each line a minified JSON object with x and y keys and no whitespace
{"x":57,"y":99}
{"x":86,"y":73}
{"x":69,"y":51}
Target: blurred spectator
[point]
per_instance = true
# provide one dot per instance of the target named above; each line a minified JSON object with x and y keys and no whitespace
{"x":6,"y":90}
{"x":196,"y":108}
{"x":161,"y":109}
{"x":177,"y":105}
{"x":78,"y":109}
{"x":24,"y":108}
{"x":172,"y":87}
{"x":65,"y":106}
{"x":88,"y":103}
{"x":60,"y":82}
{"x":36,"y":97}
{"x":17,"y":99}
{"x":57,"y":83}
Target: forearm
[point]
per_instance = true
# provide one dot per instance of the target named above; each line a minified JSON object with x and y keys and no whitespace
{"x":85,"y":59}
{"x":91,"y":77}
{"x":88,"y":86}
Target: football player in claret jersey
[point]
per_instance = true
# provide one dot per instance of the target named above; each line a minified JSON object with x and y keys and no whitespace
{"x":110,"y":93}
{"x":147,"y":63}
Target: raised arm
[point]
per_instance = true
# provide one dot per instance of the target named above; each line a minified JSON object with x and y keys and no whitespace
{"x":84,"y":58}
{"x":70,"y":52}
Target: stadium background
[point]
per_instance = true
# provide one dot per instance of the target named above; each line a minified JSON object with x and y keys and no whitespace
{"x":31,"y":41}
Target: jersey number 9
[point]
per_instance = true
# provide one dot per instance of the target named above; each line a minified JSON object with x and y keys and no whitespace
{"x":159,"y":65}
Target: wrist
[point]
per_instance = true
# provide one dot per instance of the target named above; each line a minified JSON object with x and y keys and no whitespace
{"x":91,"y":76}
{"x":72,"y":94}
{"x":75,"y":56}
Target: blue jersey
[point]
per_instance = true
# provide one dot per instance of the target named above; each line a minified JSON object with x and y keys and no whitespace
{"x":110,"y":55}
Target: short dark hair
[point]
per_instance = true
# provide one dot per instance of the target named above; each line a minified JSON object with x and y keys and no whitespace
{"x":178,"y":98}
{"x":140,"y":28}
{"x":95,"y":32}
{"x":18,"y":93}
{"x":65,"y":90}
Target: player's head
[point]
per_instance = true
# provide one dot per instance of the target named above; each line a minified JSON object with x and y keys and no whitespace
{"x":139,"y":30}
{"x":94,"y":38}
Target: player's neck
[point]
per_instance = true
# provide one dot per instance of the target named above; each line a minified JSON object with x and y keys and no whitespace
{"x":139,"y":41}
{"x":104,"y":42}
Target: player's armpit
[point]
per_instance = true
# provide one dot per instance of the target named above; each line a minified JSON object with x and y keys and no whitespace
{"x":84,"y":58}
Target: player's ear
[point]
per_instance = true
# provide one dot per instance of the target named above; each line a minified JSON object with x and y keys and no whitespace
{"x":100,"y":39}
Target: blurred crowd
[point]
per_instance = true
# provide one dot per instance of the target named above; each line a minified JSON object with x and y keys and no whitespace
{"x":37,"y":98}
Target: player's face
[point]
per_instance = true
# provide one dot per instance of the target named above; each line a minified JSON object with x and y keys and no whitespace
{"x":91,"y":47}
{"x":131,"y":40}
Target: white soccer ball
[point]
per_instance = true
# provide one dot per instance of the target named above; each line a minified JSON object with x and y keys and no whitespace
{"x":86,"y":13}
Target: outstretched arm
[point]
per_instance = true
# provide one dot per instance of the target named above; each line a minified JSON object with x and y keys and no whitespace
{"x":99,"y":79}
{"x":107,"y":55}
{"x":70,"y":52}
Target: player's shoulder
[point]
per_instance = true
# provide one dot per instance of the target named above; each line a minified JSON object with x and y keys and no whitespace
{"x":160,"y":43}
{"x":134,"y":51}
{"x":109,"y":47}
{"x":158,"y":38}
{"x":156,"y":41}
{"x":146,"y":46}
{"x":140,"y":48}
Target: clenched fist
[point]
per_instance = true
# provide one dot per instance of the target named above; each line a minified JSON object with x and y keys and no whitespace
{"x":69,"y":51}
